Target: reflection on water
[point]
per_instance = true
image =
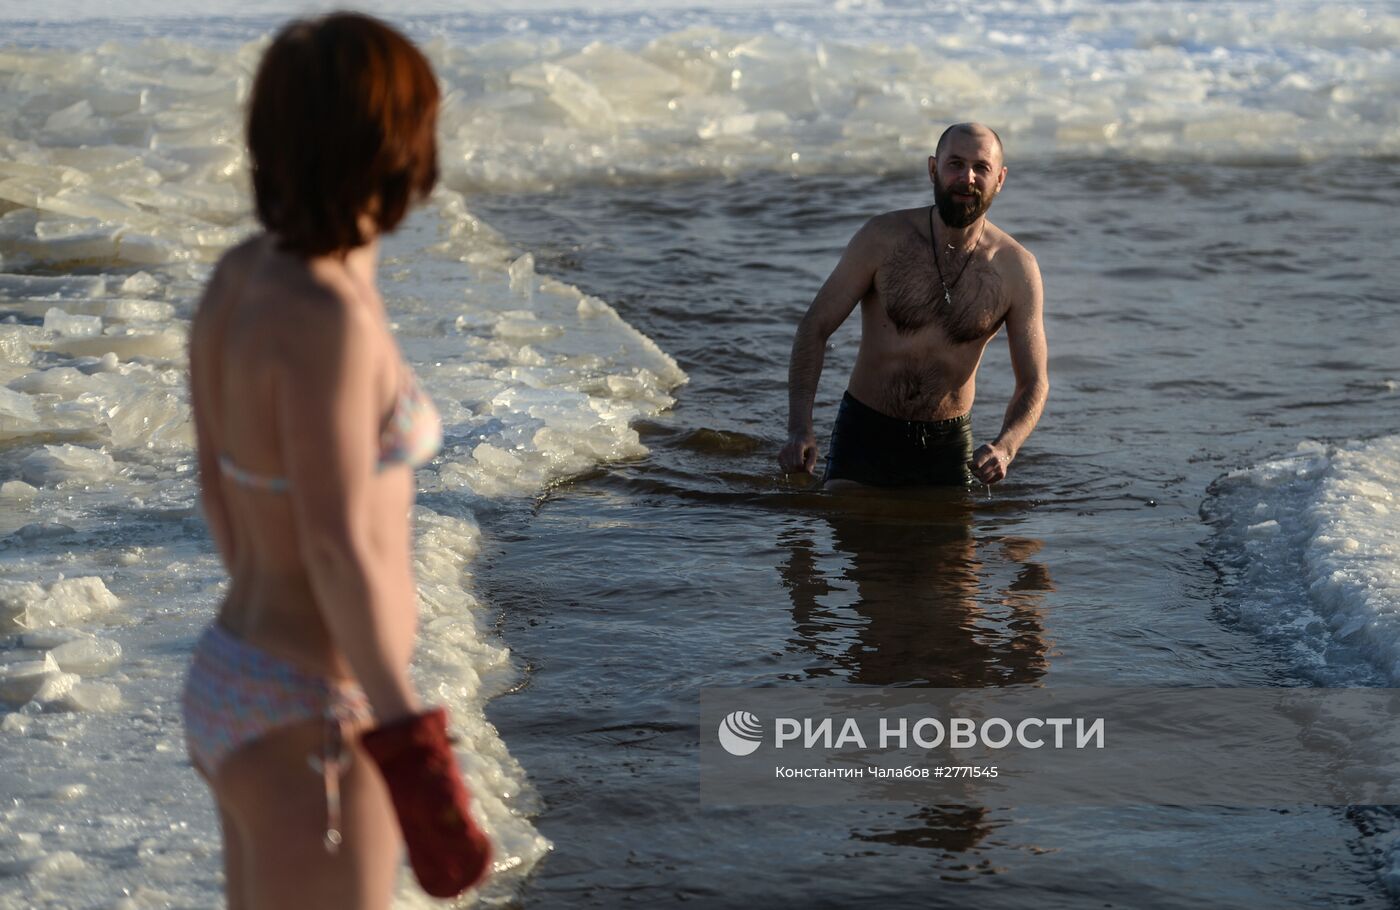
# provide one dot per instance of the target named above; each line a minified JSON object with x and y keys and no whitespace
{"x":907,"y":595}
{"x":949,"y":829}
{"x":899,"y":601}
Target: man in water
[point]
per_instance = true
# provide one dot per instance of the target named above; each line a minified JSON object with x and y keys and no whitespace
{"x":934,"y":286}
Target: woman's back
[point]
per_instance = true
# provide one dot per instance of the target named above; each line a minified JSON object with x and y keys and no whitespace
{"x":252,"y":338}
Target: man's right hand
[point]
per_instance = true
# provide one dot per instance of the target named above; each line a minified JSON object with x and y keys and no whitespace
{"x":800,"y":454}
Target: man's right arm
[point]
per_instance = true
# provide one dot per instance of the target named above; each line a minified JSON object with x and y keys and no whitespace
{"x":847,"y":285}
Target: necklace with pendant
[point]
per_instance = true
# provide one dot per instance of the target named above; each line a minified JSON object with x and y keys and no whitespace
{"x":948,"y":288}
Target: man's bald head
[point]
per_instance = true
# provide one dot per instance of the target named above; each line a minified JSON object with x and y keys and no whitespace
{"x":975,"y":130}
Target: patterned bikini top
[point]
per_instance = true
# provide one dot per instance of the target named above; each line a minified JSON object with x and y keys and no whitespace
{"x":412,"y":435}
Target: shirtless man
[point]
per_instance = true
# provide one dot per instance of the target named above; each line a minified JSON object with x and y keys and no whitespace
{"x":934,"y":285}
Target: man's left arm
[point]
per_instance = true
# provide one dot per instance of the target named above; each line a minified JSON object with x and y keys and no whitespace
{"x":1025,"y":334}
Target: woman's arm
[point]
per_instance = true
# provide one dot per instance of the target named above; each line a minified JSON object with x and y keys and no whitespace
{"x":328,"y":419}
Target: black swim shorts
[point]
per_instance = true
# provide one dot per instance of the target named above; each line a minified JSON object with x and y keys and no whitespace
{"x":876,"y":449}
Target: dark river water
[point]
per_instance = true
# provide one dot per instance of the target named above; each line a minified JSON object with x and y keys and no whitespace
{"x":1200,"y":319}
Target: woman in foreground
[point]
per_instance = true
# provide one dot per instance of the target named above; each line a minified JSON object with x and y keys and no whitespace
{"x":299,"y":709}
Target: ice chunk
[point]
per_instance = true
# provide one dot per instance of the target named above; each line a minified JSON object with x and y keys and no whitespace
{"x":16,"y":598}
{"x":87,"y":202}
{"x":55,"y":688}
{"x":49,"y":230}
{"x":55,"y":464}
{"x":64,"y":382}
{"x":25,"y":192}
{"x":578,"y":97}
{"x":117,"y":103}
{"x":522,"y":276}
{"x":17,"y":492}
{"x":140,"y":285}
{"x":15,"y":723}
{"x":146,"y":249}
{"x":69,"y":118}
{"x":496,"y":459}
{"x":42,"y":530}
{"x":92,"y":697}
{"x":13,"y":347}
{"x":77,"y":598}
{"x":39,"y":286}
{"x":1268,"y":528}
{"x":98,"y":242}
{"x":52,"y":286}
{"x":588,"y":307}
{"x":17,"y":415}
{"x":524,"y":326}
{"x":210,"y":160}
{"x":20,"y":682}
{"x":628,"y":387}
{"x":107,"y":363}
{"x":136,"y":413}
{"x":87,"y":656}
{"x":121,"y":309}
{"x":48,"y":639}
{"x":626,"y":80}
{"x":27,"y":605}
{"x":167,"y":344}
{"x":19,"y":852}
{"x":64,"y":323}
{"x":59,"y":864}
{"x":137,"y":310}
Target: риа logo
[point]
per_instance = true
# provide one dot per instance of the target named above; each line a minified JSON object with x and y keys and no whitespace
{"x":740,"y":733}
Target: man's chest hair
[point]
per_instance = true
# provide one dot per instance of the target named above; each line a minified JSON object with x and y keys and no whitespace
{"x":911,"y":291}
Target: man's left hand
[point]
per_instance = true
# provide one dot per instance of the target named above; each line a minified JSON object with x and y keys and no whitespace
{"x":989,"y":463}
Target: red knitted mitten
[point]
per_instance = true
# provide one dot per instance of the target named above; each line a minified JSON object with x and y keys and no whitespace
{"x":448,"y":852}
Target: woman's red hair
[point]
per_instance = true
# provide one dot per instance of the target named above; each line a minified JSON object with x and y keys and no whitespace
{"x":341,"y":124}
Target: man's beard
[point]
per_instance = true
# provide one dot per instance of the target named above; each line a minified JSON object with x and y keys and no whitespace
{"x":959,"y":214}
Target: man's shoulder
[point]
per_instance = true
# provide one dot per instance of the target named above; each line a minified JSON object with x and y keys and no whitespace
{"x":1017,"y":267}
{"x":888,"y":230}
{"x":1009,"y":254}
{"x":899,"y":222}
